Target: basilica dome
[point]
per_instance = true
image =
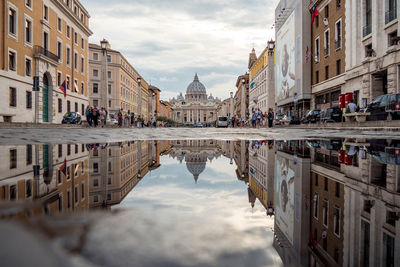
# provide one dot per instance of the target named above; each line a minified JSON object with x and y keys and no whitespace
{"x":196,"y":86}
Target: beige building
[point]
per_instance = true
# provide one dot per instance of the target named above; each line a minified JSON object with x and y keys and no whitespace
{"x":47,"y":39}
{"x":114,"y":82}
{"x":196,"y":106}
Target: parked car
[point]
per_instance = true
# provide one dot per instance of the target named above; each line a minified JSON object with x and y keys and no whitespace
{"x":331,"y":115}
{"x":278,"y":119}
{"x":113,"y":121}
{"x":72,"y":118}
{"x":312,"y":116}
{"x":198,"y":125}
{"x":383,"y":105}
{"x":222,"y":121}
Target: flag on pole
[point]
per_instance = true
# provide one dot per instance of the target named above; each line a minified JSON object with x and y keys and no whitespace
{"x":63,"y":167}
{"x":63,"y":87}
{"x":315,"y":13}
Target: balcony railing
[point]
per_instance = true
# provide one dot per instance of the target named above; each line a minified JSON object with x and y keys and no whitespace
{"x":367,"y":30}
{"x":338,"y":44}
{"x":390,"y":15}
{"x":44,"y":52}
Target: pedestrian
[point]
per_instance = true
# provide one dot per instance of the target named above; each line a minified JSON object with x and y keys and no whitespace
{"x":119,"y":118}
{"x":270,"y":118}
{"x":106,"y":116}
{"x":126,"y":120}
{"x":95,"y":116}
{"x":88,"y":113}
{"x":102,"y":117}
{"x":352,"y":106}
{"x":132,"y":119}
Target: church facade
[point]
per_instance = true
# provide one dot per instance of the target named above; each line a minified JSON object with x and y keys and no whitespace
{"x":196,"y":106}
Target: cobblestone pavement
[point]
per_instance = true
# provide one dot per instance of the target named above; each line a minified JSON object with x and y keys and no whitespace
{"x":101,"y":135}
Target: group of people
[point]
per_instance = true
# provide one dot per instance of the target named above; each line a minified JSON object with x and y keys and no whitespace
{"x":257,"y":119}
{"x":95,"y":115}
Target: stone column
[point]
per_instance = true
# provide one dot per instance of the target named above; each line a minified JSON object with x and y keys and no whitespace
{"x":243,"y":101}
{"x":231,"y":106}
{"x":103,"y":81}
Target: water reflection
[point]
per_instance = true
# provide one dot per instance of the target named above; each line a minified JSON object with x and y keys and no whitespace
{"x":328,"y":202}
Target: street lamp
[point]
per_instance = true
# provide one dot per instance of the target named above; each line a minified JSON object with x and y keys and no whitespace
{"x":104,"y":77}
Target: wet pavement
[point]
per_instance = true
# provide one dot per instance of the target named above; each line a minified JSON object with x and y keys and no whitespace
{"x":310,"y":201}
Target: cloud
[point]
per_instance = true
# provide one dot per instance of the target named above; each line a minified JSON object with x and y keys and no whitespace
{"x":168,"y":41}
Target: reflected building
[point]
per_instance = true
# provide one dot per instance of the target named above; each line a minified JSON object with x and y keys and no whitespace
{"x":241,"y":157}
{"x":32,"y":173}
{"x":117,"y":168}
{"x":291,"y":191}
{"x":196,"y":154}
{"x":262,"y":172}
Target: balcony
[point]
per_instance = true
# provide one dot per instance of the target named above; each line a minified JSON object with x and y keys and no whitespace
{"x":42,"y":53}
{"x":338,"y":44}
{"x":367,"y":30}
{"x":390,"y":15}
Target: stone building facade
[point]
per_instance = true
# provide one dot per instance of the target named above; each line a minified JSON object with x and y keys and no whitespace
{"x":47,"y":39}
{"x":372,"y":50}
{"x":196,"y":106}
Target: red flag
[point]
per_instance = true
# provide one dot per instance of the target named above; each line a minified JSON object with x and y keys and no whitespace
{"x":63,"y":168}
{"x":315,"y":13}
{"x":63,"y":88}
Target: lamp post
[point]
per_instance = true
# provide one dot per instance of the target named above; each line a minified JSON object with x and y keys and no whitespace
{"x":104,"y":75}
{"x":154,"y":112}
{"x":231,"y":106}
{"x":139,"y":80}
{"x":243,"y":100}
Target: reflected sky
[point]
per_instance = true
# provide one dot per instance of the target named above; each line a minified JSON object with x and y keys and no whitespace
{"x":183,"y":223}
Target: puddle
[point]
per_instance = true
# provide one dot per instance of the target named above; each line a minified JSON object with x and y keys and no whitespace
{"x":202,"y":203}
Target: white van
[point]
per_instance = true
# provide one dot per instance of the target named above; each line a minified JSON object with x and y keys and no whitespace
{"x":222,"y":122}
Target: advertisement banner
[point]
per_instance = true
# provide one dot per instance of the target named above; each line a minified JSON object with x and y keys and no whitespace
{"x":285,"y":60}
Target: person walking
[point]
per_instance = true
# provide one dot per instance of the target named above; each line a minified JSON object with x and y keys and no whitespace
{"x":120,"y":119}
{"x":352,"y":106}
{"x":102,"y":117}
{"x":88,"y":113}
{"x":95,"y":116}
{"x":270,"y":118}
{"x":132,"y":119}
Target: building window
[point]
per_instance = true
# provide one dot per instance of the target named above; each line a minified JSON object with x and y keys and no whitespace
{"x":317,"y":47}
{"x":13,"y":96}
{"x":68,"y":82}
{"x":338,"y":3}
{"x":364,"y":243}
{"x":76,"y":61}
{"x":95,"y":198}
{"x":316,"y":206}
{"x":367,"y":29}
{"x":68,"y":56}
{"x":68,"y":32}
{"x":391,"y":11}
{"x":95,"y":56}
{"x":327,"y":11}
{"x":45,"y":13}
{"x":59,"y":105}
{"x":317,"y":21}
{"x":59,"y":50}
{"x":59,"y":25}
{"x":109,"y":88}
{"x":82,"y":88}
{"x":82,"y":190}
{"x":95,"y":73}
{"x":83,"y":110}
{"x":388,"y":250}
{"x":28,"y":99}
{"x":28,"y":67}
{"x":82,"y":43}
{"x":338,"y":67}
{"x":109,"y":103}
{"x":109,"y":74}
{"x":108,"y":58}
{"x":317,"y":76}
{"x":336,"y":221}
{"x":326,"y":43}
{"x":95,"y":103}
{"x":76,"y":107}
{"x":13,"y":158}
{"x":12,"y":21}
{"x":326,"y":72}
{"x":76,"y":194}
{"x":68,"y":106}
{"x":12,"y":60}
{"x":59,"y":78}
{"x":29,"y":154}
{"x":369,"y":52}
{"x":338,"y":34}
{"x":28,"y":3}
{"x":68,"y":149}
{"x":316,"y":180}
{"x":392,"y":39}
{"x":95,"y":88}
{"x":325,"y":207}
{"x":60,"y":150}
{"x":76,"y":38}
{"x":82,"y":65}
{"x":28,"y":31}
{"x":95,"y":169}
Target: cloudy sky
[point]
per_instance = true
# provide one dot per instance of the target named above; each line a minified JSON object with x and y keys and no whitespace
{"x":168,"y":41}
